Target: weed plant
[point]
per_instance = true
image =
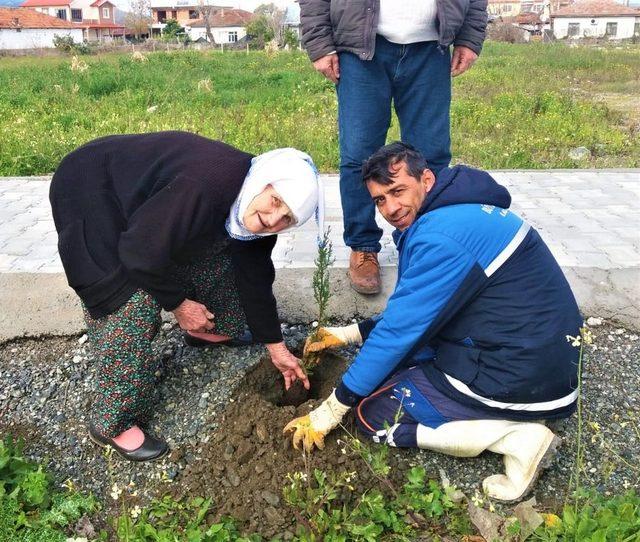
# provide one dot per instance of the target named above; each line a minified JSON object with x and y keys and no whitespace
{"x":30,"y":509}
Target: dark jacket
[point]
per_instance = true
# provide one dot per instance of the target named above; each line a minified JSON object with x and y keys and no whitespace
{"x":348,"y":25}
{"x":480,"y":304}
{"x":129,"y":208}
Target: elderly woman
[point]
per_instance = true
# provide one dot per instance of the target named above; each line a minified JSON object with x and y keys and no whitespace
{"x":173,"y":221}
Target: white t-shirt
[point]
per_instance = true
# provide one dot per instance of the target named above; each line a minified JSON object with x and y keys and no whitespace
{"x":408,"y":21}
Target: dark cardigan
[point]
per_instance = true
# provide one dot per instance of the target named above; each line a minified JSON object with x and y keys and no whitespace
{"x":127,"y":208}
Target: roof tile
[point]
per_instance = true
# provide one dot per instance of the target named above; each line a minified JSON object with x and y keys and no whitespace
{"x":29,"y":18}
{"x":594,"y":8}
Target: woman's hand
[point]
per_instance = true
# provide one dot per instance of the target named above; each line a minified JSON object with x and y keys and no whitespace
{"x":287,"y":364}
{"x":193,"y":316}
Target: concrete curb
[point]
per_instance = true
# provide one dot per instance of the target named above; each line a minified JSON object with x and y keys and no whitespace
{"x":35,"y":304}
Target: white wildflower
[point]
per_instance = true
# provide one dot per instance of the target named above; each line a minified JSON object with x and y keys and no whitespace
{"x":575,"y":341}
{"x":115,"y":492}
{"x":135,"y":512}
{"x":477,"y":499}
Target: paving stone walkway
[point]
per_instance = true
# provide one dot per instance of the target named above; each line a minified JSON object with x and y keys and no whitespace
{"x":588,"y":219}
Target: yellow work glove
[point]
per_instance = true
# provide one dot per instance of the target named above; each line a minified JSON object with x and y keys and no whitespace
{"x":311,"y":429}
{"x":333,"y":337}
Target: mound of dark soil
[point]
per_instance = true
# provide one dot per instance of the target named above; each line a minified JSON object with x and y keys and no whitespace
{"x":245,"y":465}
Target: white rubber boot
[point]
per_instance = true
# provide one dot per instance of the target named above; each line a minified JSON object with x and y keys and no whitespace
{"x":527,"y":448}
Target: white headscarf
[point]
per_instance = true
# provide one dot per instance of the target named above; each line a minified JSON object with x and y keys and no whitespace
{"x":293,"y":176}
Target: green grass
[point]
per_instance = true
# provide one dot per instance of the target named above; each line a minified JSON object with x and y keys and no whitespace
{"x":521,"y":106}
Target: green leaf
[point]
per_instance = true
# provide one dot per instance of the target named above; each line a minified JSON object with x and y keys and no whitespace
{"x":569,"y":517}
{"x":416,"y":476}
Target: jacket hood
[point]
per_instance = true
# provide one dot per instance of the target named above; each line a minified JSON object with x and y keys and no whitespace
{"x":462,"y":184}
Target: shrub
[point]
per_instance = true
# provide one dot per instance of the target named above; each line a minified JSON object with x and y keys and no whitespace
{"x":67,"y":45}
{"x":506,"y":32}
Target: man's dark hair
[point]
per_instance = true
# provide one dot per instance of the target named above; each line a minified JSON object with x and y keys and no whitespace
{"x":376,"y":167}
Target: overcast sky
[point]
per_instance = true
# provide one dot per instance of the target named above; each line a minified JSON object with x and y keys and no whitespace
{"x":249,"y":5}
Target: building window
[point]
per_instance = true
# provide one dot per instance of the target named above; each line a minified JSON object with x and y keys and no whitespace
{"x":106,"y":14}
{"x":573,"y":30}
{"x":612,"y":29}
{"x":193,"y":14}
{"x":162,"y":16}
{"x":507,"y":8}
{"x":61,"y":14}
{"x":174,"y":15}
{"x":76,"y":15}
{"x":232,"y":36}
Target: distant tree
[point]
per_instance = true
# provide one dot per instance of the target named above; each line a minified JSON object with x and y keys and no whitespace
{"x":172,"y":30}
{"x":274,"y":17}
{"x":138,"y":18}
{"x":259,"y":31}
{"x":207,"y":12}
{"x":290,"y":38}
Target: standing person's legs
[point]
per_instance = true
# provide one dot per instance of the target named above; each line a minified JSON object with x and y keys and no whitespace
{"x":364,"y":114}
{"x":126,"y":377}
{"x":422,"y":99}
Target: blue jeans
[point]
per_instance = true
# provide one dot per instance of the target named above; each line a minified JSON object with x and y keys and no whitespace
{"x":416,"y":77}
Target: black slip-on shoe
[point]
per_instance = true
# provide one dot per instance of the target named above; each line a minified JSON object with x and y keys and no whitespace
{"x":151,"y":449}
{"x":243,"y":340}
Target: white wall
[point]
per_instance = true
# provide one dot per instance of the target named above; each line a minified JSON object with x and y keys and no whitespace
{"x":220,"y":35}
{"x":597,"y":29}
{"x":30,"y":38}
{"x":188,"y":3}
{"x":53,"y":11}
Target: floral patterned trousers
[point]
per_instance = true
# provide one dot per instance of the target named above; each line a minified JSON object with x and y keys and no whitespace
{"x":122,"y":340}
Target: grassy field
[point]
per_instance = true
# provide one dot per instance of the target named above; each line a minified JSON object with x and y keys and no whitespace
{"x":521,"y":106}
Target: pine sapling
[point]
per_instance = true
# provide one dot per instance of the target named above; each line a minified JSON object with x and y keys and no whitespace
{"x":321,"y":292}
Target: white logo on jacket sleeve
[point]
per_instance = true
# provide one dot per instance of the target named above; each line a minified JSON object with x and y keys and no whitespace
{"x":488,"y":208}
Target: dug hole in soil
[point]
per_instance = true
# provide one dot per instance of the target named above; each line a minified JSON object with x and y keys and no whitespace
{"x":244,"y":466}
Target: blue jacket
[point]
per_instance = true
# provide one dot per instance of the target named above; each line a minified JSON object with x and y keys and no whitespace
{"x":480,"y":304}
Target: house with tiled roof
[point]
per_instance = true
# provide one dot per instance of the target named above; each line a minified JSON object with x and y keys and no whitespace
{"x":96,"y":18}
{"x":227,"y":26}
{"x":596,"y":19}
{"x":22,"y":28}
{"x":182,"y":11}
{"x":503,"y":8}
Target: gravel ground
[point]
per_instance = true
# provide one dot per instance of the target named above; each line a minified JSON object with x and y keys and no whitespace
{"x":45,"y":394}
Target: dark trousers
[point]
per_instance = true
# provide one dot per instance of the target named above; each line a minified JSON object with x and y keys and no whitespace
{"x":122,"y":340}
{"x":392,"y":413}
{"x":416,"y":78}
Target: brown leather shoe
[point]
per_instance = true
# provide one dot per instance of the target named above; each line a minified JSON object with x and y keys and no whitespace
{"x":364,"y":272}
